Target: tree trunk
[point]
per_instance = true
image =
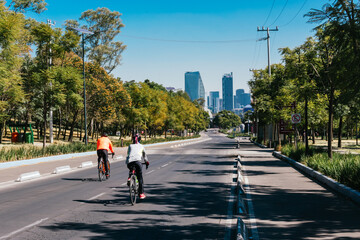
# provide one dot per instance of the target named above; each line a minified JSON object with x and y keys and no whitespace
{"x":72,"y":126}
{"x":3,"y":127}
{"x":340,"y":131}
{"x":60,"y":120}
{"x":45,"y":119}
{"x":65,"y":129}
{"x":313,"y":136}
{"x":306,"y":127}
{"x":356,"y":133}
{"x":330,"y":122}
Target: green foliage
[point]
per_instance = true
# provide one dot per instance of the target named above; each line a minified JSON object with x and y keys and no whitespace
{"x":299,"y":153}
{"x":344,"y":168}
{"x":226,"y":119}
{"x":105,"y":25}
{"x":36,"y":6}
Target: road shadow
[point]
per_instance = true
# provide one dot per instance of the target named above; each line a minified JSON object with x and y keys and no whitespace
{"x":81,"y":179}
{"x":176,"y":210}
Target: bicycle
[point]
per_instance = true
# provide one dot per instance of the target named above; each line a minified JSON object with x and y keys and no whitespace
{"x":134,"y":185}
{"x":102,"y":170}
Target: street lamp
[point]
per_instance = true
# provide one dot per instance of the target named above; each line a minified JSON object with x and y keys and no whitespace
{"x":83,"y":32}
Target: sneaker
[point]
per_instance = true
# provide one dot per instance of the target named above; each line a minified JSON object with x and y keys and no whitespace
{"x":128,"y":182}
{"x":107,"y":176}
{"x":142,"y":196}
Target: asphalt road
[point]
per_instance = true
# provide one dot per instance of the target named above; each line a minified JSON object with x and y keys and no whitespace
{"x":188,"y":191}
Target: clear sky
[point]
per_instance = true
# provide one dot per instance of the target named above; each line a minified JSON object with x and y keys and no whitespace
{"x":167,"y":38}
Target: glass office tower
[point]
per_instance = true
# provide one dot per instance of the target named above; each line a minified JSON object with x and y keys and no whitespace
{"x":227,"y":92}
{"x":194,"y":86}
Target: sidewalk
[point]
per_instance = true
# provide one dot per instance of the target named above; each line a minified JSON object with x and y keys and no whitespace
{"x":289,"y":205}
{"x":46,"y":166}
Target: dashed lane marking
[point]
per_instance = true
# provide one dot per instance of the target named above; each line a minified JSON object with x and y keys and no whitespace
{"x":24,"y":228}
{"x":94,"y":197}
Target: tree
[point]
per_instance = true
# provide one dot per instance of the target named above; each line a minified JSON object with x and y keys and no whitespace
{"x":22,"y":6}
{"x":106,"y":26}
{"x":12,"y":48}
{"x":226,"y":119}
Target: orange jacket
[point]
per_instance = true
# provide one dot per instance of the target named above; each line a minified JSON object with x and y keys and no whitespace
{"x":105,"y":144}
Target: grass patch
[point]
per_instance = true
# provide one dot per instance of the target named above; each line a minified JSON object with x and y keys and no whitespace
{"x":29,"y":152}
{"x":344,"y":168}
{"x":237,"y":134}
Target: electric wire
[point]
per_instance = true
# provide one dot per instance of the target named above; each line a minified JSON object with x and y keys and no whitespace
{"x":187,"y":41}
{"x":272,"y":6}
{"x":255,"y":51}
{"x":295,"y":14}
{"x":282,"y":10}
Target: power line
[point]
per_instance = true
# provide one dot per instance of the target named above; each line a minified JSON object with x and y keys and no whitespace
{"x":272,"y":6}
{"x":187,"y":41}
{"x":282,"y":10}
{"x":295,"y":14}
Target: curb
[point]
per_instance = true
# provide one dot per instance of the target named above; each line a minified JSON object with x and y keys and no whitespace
{"x":62,"y":169}
{"x":258,"y":144}
{"x":28,"y":176}
{"x":331,"y":183}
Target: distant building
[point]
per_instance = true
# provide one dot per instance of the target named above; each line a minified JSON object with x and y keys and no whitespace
{"x":214,"y":101}
{"x":241,"y":98}
{"x":172,"y":89}
{"x":221,"y":104}
{"x":227,"y":92}
{"x":248,"y":108}
{"x":194,"y":86}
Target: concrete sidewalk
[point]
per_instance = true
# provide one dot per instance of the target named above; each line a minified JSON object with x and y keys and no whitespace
{"x":288,"y":205}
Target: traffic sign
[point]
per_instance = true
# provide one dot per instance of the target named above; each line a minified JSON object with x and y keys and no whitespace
{"x":295,"y":118}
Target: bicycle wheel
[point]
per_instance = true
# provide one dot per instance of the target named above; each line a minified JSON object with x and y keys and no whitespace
{"x":101,"y":170}
{"x":108,"y":165}
{"x":132,"y":190}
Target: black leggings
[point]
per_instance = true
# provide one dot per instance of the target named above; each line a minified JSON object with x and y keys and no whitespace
{"x":138,"y":170}
{"x":102,"y":153}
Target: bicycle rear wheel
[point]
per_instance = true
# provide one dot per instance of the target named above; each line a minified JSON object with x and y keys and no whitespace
{"x":101,"y":170}
{"x":132,"y":190}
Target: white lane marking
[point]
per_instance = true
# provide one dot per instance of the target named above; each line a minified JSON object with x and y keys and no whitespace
{"x":229,"y":218}
{"x":123,"y":183}
{"x":24,"y":228}
{"x":253,"y":228}
{"x":164,"y":165}
{"x":150,"y":172}
{"x":94,"y":197}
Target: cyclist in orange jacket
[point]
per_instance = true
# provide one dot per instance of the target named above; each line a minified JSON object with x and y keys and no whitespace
{"x":104,"y":145}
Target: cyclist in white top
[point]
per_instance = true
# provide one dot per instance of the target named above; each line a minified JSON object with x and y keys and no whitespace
{"x":136,"y":153}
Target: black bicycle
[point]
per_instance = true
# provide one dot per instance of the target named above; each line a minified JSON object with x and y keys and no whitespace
{"x":134,"y":185}
{"x":102,"y":169}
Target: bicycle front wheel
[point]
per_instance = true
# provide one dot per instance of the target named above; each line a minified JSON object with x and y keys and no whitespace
{"x":101,"y":170}
{"x":132,"y":190}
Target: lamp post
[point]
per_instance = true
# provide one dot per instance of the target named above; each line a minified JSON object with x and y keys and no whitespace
{"x":83,"y":32}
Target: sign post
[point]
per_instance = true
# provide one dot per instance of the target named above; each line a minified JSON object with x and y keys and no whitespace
{"x":295,"y":119}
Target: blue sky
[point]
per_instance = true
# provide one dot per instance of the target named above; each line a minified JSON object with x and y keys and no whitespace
{"x":158,"y":36}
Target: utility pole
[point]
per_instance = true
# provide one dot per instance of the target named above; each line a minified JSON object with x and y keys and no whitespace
{"x":268,"y":42}
{"x":51,"y":126}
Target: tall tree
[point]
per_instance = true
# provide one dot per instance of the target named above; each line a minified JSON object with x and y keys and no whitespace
{"x":106,"y":25}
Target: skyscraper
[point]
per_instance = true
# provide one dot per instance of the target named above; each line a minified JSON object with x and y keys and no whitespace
{"x":194,"y":86}
{"x":214,"y":101}
{"x":241,"y":98}
{"x":227,"y":92}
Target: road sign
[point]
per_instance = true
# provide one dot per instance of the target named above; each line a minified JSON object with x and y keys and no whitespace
{"x":295,"y":118}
